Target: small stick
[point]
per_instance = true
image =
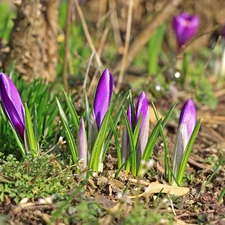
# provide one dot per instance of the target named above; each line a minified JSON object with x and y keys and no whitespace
{"x":87,"y":34}
{"x":100,"y":48}
{"x":126,"y":47}
{"x":115,"y":24}
{"x":101,"y":12}
{"x":87,"y":70}
{"x":103,"y":39}
{"x":67,"y":31}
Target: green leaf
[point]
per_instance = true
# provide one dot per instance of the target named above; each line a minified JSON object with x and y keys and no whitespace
{"x":117,"y":144}
{"x":69,"y":137}
{"x":165,"y":120}
{"x":30,"y":140}
{"x":167,"y":162}
{"x":132,"y":145}
{"x":87,"y":108}
{"x":154,"y":48}
{"x":18,"y":141}
{"x":98,"y":145}
{"x":115,"y":121}
{"x":72,"y":111}
{"x":36,"y":126}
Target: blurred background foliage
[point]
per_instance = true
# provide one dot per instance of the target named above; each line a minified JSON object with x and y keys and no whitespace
{"x":107,"y":24}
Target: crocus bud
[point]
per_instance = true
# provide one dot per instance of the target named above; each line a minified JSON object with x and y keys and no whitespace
{"x":103,"y":96}
{"x":12,"y":104}
{"x":143,"y":112}
{"x":82,"y":143}
{"x":188,"y":117}
{"x":187,"y":124}
{"x":185,"y":26}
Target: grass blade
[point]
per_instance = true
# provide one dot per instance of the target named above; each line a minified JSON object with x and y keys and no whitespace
{"x":98,"y":145}
{"x":167,"y":163}
{"x":18,"y":141}
{"x":132,"y":145}
{"x":29,"y":133}
{"x":166,"y":118}
{"x":154,"y":48}
{"x":69,"y":137}
{"x":72,"y":111}
{"x":118,"y":149}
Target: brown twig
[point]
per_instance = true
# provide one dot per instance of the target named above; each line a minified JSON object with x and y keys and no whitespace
{"x":103,"y":39}
{"x":100,"y":48}
{"x":87,"y":34}
{"x":66,"y":50}
{"x":87,"y":70}
{"x":101,"y":12}
{"x":143,"y":37}
{"x":126,"y":47}
{"x":115,"y":24}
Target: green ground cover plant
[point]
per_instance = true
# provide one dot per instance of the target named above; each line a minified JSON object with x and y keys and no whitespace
{"x":144,"y":153}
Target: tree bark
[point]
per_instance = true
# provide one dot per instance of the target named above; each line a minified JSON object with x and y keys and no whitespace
{"x":33,"y":40}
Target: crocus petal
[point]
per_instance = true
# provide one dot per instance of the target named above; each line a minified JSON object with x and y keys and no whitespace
{"x":143,"y":135}
{"x":185,"y":26}
{"x":180,"y":146}
{"x":187,"y":124}
{"x":223,"y":31}
{"x":129,"y":115}
{"x":82,"y":143}
{"x":12,"y":104}
{"x":188,"y":116}
{"x":142,"y":110}
{"x":103,"y":96}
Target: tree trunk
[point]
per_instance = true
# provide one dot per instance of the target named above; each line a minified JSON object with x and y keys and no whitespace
{"x":33,"y":40}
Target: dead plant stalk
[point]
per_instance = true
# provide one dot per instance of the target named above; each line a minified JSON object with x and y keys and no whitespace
{"x":126,"y":47}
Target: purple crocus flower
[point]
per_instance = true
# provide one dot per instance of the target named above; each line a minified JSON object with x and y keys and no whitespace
{"x":188,"y":116}
{"x":187,"y":124}
{"x":103,"y":96}
{"x":12,"y":104}
{"x":185,"y":26}
{"x":100,"y":107}
{"x":82,"y":143}
{"x":141,"y":111}
{"x":223,"y":31}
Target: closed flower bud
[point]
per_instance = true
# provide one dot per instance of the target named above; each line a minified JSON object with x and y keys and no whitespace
{"x":12,"y":104}
{"x":185,"y":27}
{"x":187,"y":123}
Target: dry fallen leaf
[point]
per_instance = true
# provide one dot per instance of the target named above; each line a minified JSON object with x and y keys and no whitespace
{"x":155,"y":187}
